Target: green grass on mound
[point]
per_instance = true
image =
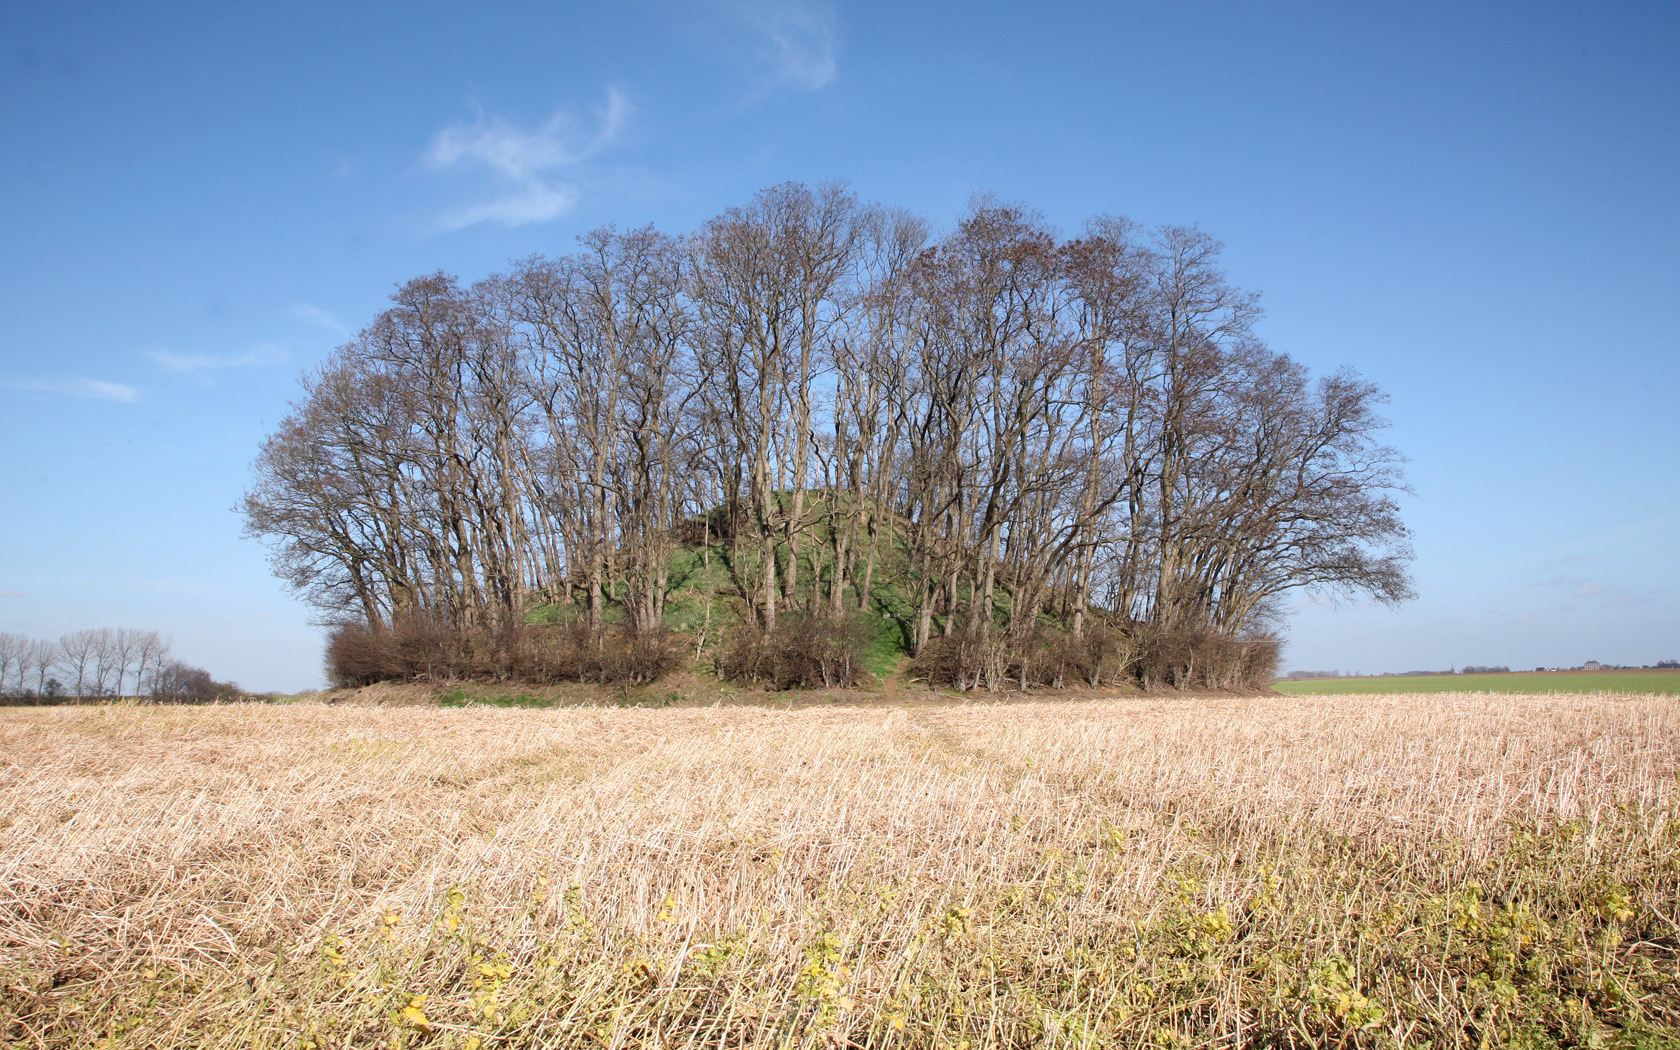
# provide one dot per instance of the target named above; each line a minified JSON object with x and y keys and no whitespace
{"x":704,"y":604}
{"x":1650,"y":683}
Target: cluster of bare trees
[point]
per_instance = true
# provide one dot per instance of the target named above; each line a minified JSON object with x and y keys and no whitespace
{"x":1005,"y":425}
{"x":100,"y":662}
{"x":28,"y":665}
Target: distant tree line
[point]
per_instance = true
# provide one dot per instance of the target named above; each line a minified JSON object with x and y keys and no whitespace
{"x":1025,"y":429}
{"x":103,"y":662}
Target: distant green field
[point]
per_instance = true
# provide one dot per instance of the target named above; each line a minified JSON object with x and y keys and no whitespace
{"x":1649,"y":682}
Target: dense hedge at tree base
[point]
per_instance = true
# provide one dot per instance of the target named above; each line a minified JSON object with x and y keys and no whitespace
{"x":426,"y":649}
{"x":1145,"y":655}
{"x":802,"y":652}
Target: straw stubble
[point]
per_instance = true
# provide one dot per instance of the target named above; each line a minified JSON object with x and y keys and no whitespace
{"x":1449,"y":869}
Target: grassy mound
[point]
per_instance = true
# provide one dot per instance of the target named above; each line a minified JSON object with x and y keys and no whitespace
{"x":707,"y":625}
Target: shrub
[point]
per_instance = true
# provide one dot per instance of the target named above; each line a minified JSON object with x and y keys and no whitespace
{"x":357,"y":655}
{"x":964,"y":661}
{"x":426,"y":649}
{"x":1202,"y":658}
{"x":802,"y":652}
{"x":575,"y":653}
{"x":1100,"y":654}
{"x":1044,"y":657}
{"x":1154,"y":657}
{"x":182,"y":683}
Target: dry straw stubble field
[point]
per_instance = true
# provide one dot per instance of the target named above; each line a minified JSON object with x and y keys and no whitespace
{"x":1453,"y":870}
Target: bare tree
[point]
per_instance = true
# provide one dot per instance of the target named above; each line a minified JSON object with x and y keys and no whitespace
{"x":107,"y":673}
{"x":14,"y":651}
{"x":41,"y":658}
{"x":767,"y":280}
{"x":150,"y":650}
{"x":872,"y":372}
{"x":125,"y":647}
{"x":79,"y":652}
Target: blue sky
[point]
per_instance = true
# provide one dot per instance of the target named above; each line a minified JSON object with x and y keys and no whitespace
{"x":1474,"y":205}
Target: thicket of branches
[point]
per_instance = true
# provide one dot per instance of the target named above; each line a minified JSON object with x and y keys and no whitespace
{"x":1027,"y":432}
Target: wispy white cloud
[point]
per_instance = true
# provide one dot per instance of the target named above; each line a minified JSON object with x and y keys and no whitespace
{"x":322,"y":319}
{"x":526,"y":163}
{"x":259,"y":356}
{"x":1579,"y":587}
{"x":97,"y":389}
{"x":1613,"y":595}
{"x":796,"y":38}
{"x":535,"y":201}
{"x":11,"y":594}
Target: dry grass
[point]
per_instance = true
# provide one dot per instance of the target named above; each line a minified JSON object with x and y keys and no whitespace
{"x":1393,"y":871}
